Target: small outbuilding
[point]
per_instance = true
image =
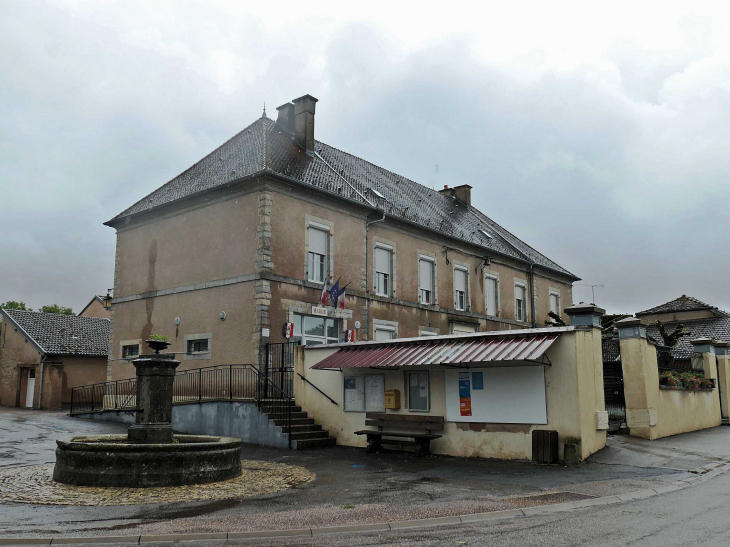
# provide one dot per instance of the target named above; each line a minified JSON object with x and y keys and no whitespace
{"x":44,"y":355}
{"x":488,"y":394}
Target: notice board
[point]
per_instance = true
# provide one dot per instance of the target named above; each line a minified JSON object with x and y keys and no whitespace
{"x":508,"y":395}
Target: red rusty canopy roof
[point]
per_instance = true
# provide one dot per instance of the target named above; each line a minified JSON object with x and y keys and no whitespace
{"x":451,"y":350}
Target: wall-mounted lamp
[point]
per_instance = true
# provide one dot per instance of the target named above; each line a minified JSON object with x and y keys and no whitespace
{"x":177,"y":321}
{"x":107,"y":300}
{"x":223,"y":316}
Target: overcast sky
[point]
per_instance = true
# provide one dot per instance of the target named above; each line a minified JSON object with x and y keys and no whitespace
{"x":598,"y":135}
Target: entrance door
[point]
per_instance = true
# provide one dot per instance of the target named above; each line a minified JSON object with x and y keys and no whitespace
{"x":30,"y":389}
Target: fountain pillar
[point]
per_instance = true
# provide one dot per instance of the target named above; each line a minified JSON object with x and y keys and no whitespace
{"x":155,"y":377}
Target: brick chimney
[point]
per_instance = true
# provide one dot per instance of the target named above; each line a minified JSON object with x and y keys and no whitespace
{"x":461,"y":192}
{"x":304,"y":122}
{"x":286,"y":118}
{"x":448,"y":192}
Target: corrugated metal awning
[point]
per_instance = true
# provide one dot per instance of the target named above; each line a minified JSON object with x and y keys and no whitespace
{"x":450,"y":351}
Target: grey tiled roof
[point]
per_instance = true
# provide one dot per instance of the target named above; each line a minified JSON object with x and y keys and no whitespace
{"x":59,"y":334}
{"x":714,"y":327}
{"x":264,"y":147}
{"x":683,"y":303}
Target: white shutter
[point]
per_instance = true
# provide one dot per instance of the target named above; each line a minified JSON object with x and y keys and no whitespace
{"x":491,"y":296}
{"x":554,"y":303}
{"x":460,"y":280}
{"x":382,"y":260}
{"x":317,"y":241}
{"x":425,"y":275}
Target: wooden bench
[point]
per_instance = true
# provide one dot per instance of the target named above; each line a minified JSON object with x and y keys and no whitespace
{"x":420,"y":428}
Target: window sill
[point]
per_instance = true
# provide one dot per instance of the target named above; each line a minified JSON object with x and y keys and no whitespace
{"x":197,"y":356}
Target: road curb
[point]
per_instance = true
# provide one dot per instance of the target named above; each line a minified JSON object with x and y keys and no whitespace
{"x":704,"y":474}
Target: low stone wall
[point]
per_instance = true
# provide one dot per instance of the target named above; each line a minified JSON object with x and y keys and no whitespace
{"x":240,"y":419}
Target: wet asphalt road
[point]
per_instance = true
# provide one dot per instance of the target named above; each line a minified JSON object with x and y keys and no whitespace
{"x":344,"y":476}
{"x":695,"y":516}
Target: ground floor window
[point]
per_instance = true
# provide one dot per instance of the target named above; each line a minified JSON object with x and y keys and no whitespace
{"x":384,"y":333}
{"x":130,"y":352}
{"x":315,"y":331}
{"x":365,"y":393}
{"x":465,"y":328}
{"x":418,"y":391}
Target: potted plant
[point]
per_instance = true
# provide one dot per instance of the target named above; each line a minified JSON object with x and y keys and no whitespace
{"x":157,"y":342}
{"x":669,"y":380}
{"x":706,"y":384}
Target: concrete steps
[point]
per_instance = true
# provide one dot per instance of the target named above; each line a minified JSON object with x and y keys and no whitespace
{"x":305,"y":434}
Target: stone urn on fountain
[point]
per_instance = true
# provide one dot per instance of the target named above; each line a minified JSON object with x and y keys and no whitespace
{"x":151,"y":454}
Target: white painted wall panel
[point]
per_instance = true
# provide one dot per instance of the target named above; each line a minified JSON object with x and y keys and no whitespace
{"x":511,"y":395}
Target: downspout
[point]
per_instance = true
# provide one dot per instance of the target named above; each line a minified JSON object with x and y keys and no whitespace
{"x":532,"y":295}
{"x":367,"y":267}
{"x":40,"y":393}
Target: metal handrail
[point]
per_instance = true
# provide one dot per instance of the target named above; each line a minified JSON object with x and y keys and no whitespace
{"x":315,"y":387}
{"x":197,"y":385}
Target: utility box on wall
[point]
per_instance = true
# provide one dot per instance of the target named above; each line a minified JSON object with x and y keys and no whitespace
{"x":392,"y":399}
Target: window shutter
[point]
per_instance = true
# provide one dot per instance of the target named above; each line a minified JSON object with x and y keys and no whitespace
{"x":382,"y":260}
{"x":491,"y":296}
{"x":460,"y":280}
{"x":317,"y":241}
{"x":425,"y":275}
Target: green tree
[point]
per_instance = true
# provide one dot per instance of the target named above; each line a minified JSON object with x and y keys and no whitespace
{"x":55,"y":308}
{"x":13,"y":305}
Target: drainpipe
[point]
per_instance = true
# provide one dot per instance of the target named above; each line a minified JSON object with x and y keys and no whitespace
{"x":367,"y":268}
{"x":532,"y":294}
{"x":40,"y":393}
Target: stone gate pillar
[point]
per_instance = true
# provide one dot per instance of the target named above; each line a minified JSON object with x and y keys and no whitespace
{"x":722,"y":352}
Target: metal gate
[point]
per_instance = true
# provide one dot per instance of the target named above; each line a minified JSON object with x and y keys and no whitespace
{"x":277,"y":364}
{"x":613,"y":384}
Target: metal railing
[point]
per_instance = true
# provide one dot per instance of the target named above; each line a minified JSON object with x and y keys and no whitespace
{"x":315,"y":387}
{"x":215,"y":383}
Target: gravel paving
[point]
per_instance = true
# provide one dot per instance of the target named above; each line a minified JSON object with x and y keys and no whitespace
{"x":34,"y":484}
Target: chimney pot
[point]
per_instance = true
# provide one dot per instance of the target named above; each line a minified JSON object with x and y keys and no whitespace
{"x":285,"y":119}
{"x":304,"y":108}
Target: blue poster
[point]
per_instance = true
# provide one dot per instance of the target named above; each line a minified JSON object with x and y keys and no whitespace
{"x":478,"y":379}
{"x":464,"y":385}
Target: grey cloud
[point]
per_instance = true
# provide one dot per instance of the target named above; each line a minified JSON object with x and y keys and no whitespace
{"x":617,"y":174}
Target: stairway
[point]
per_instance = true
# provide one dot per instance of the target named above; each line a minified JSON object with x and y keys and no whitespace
{"x":305,"y":433}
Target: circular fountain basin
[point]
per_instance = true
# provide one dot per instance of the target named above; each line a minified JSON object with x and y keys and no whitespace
{"x":112,"y":460}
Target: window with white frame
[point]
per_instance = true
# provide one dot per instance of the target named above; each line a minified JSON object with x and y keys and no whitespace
{"x":460,"y":283}
{"x":313,"y":330}
{"x":318,"y":243}
{"x":383,"y":270}
{"x":555,"y":302}
{"x":491,"y":289}
{"x":418,"y":391}
{"x":427,"y":333}
{"x":464,"y":328}
{"x":520,"y":302}
{"x":384,"y":333}
{"x":425,"y":280}
{"x":198,"y":346}
{"x":130,"y":351}
{"x":364,"y":393}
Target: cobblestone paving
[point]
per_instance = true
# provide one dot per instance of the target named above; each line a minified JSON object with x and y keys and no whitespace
{"x":34,"y":484}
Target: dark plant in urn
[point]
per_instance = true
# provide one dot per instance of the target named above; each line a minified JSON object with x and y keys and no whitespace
{"x":149,"y":455}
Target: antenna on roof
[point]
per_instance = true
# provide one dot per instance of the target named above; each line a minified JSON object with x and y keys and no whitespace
{"x":593,"y":291}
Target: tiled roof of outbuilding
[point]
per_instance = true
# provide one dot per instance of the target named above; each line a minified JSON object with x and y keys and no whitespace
{"x":717,"y":328}
{"x":265,"y":147}
{"x":58,"y":334}
{"x":683,"y":303}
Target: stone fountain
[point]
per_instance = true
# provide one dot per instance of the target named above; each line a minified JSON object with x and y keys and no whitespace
{"x":150,"y":454}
